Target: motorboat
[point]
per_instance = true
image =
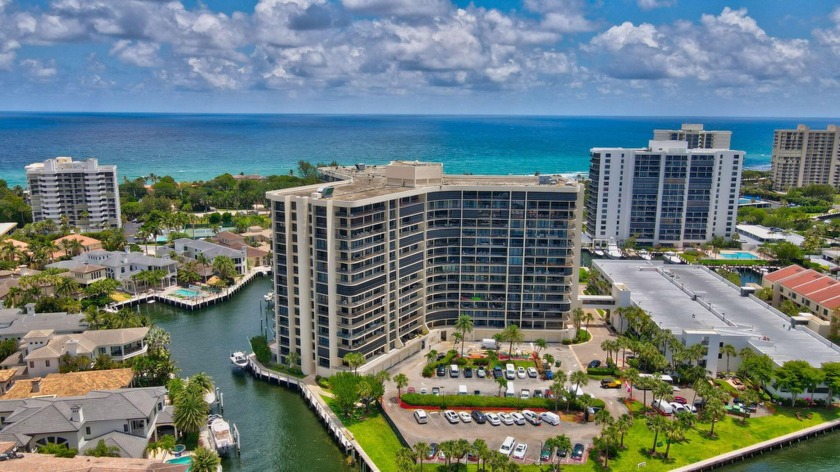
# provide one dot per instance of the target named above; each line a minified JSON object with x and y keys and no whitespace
{"x":599,"y":252}
{"x":672,"y":258}
{"x":223,"y":437}
{"x":269,"y":297}
{"x":239,"y":359}
{"x":644,"y":254}
{"x":613,"y":252}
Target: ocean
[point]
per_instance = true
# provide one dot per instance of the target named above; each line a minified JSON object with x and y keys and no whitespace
{"x":199,"y":147}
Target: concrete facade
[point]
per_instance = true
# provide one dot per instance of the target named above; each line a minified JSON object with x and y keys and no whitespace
{"x":803,"y":156}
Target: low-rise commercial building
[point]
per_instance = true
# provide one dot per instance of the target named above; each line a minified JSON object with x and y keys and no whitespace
{"x":808,"y":289}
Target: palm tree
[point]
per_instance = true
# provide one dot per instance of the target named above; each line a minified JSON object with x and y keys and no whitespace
{"x":76,"y":247}
{"x":540,"y":344}
{"x":673,"y":432}
{"x":513,"y":335}
{"x":562,"y":443}
{"x":606,"y":442}
{"x":422,"y":450}
{"x":406,"y":460}
{"x":293,"y":358}
{"x":480,"y":450}
{"x":588,"y":318}
{"x":464,"y":324}
{"x":431,"y":356}
{"x":205,"y":460}
{"x":623,"y":425}
{"x":657,"y":424}
{"x":584,"y":402}
{"x":502,"y":384}
{"x":157,"y":339}
{"x":578,"y":316}
{"x":558,"y":387}
{"x":66,"y":287}
{"x":579,"y":379}
{"x":354,"y":360}
{"x":457,"y":337}
{"x":202,"y":382}
{"x":728,"y":350}
{"x":402,"y":381}
{"x":447,"y":448}
{"x":604,"y":418}
{"x":225,"y":267}
{"x":190,"y":411}
{"x":631,"y":375}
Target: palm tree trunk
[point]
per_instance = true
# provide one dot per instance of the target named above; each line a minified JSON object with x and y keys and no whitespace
{"x":668,"y":449}
{"x":655,"y":438}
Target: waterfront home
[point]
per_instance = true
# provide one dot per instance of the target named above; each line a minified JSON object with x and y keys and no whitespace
{"x":256,"y":256}
{"x":16,"y":323}
{"x":207,"y":251}
{"x":85,"y":244}
{"x":42,"y":349}
{"x":39,"y":462}
{"x":121,"y":266}
{"x":125,"y":418}
{"x":84,"y":274}
{"x":72,"y":384}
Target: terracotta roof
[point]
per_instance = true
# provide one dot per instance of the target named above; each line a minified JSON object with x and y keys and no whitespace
{"x":783,"y":273}
{"x":43,"y":462}
{"x":6,"y":374}
{"x":85,"y":240}
{"x":254,"y":252}
{"x":74,"y":384}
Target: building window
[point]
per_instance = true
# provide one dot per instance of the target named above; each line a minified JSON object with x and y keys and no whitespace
{"x":47,"y":363}
{"x":87,"y":430}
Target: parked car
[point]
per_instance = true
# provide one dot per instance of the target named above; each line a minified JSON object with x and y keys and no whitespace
{"x":518,"y":418}
{"x":562,"y":453}
{"x":545,"y":454}
{"x":532,"y":417}
{"x":549,"y":375}
{"x":506,"y":418}
{"x":433,"y":450}
{"x":577,"y":452}
{"x":410,"y":390}
{"x":435,"y":390}
{"x":441,"y":371}
{"x":677,"y":407}
{"x":520,"y":372}
{"x":465,"y":417}
{"x":454,"y":372}
{"x":594,"y":364}
{"x":481,"y":372}
{"x":507,"y":446}
{"x":538,"y":393}
{"x":699,"y":403}
{"x":498,"y":372}
{"x":532,"y":372}
{"x":525,"y":394}
{"x":451,"y":416}
{"x":690,"y":408}
{"x":549,"y":394}
{"x":479,"y":417}
{"x":468,"y":372}
{"x":610,"y":383}
{"x":519,"y":451}
{"x":493,"y":419}
{"x":421,"y":416}
{"x":681,"y":400}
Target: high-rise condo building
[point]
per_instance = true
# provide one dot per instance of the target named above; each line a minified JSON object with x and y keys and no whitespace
{"x":695,"y":136}
{"x":83,"y":191}
{"x":803,"y":156}
{"x":383,"y":254}
{"x":665,"y":194}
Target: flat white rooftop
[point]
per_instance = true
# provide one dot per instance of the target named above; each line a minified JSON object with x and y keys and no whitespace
{"x":693,"y":298}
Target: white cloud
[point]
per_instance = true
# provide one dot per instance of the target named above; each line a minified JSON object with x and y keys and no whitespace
{"x":398,"y":7}
{"x":830,"y":37}
{"x":561,"y":16}
{"x":139,"y":53}
{"x":38,"y":70}
{"x":651,"y":4}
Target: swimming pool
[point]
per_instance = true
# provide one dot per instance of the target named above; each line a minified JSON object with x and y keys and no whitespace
{"x":737,"y":255}
{"x":181,"y":460}
{"x":186,"y":293}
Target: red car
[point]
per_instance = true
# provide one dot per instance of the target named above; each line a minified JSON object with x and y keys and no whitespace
{"x":681,"y":400}
{"x":410,"y":389}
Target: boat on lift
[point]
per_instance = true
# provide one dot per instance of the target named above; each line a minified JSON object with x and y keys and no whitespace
{"x":223,"y":437}
{"x":239,"y":359}
{"x":672,"y":258}
{"x":613,"y":252}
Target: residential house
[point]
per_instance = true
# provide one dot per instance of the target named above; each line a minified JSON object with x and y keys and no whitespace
{"x":198,"y":250}
{"x":42,"y":350}
{"x":125,"y":418}
{"x":808,"y":289}
{"x":256,"y":256}
{"x":121,"y":266}
{"x":88,"y":244}
{"x":72,"y":384}
{"x":83,"y":273}
{"x":15,"y":323}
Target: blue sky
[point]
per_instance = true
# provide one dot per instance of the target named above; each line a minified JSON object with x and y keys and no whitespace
{"x":555,"y":57}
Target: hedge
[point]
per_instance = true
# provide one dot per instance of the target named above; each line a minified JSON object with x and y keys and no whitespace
{"x":484,"y":401}
{"x":612,"y":371}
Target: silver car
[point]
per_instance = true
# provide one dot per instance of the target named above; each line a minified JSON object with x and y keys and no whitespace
{"x":518,"y":418}
{"x":493,"y":419}
{"x":506,"y":418}
{"x":451,"y":416}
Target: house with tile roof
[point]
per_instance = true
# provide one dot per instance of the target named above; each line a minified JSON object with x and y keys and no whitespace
{"x":120,"y":266}
{"x":88,"y":244}
{"x":808,"y":289}
{"x":71,"y":384}
{"x":256,"y":256}
{"x":198,"y":250}
{"x":42,"y":350}
{"x":125,"y":418}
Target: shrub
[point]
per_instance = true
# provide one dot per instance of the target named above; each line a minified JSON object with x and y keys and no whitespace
{"x":607,"y":371}
{"x":429,"y":371}
{"x":459,"y":361}
{"x":261,"y":350}
{"x":483,"y":361}
{"x":483,"y":401}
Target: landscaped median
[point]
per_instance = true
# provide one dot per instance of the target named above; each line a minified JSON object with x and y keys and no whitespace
{"x":480,"y":402}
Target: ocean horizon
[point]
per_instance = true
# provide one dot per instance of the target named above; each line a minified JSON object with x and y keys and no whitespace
{"x":190,"y":146}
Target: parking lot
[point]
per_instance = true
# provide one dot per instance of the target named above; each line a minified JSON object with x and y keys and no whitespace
{"x":439,"y":429}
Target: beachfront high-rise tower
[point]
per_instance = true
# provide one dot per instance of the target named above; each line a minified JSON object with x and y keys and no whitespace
{"x":695,"y":136}
{"x":665,"y":194}
{"x":804,"y":156}
{"x":382,"y":255}
{"x":83,"y":191}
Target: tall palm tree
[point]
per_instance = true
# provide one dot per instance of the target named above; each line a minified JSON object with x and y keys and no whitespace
{"x":464,"y":324}
{"x":558,"y":387}
{"x":354,"y":360}
{"x":540,"y":344}
{"x":728,"y":350}
{"x":503,"y":383}
{"x":402,"y":381}
{"x":623,"y":425}
{"x":225,"y":267}
{"x":66,"y":287}
{"x":205,"y":460}
{"x":431,"y":356}
{"x":422,"y":450}
{"x":657,"y":424}
{"x":578,"y":316}
{"x":190,"y":411}
{"x":579,"y":379}
{"x":480,"y":450}
{"x":513,"y":335}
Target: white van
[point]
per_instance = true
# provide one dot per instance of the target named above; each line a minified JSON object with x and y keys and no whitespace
{"x":510,"y":371}
{"x":511,"y":390}
{"x":663,"y":406}
{"x":462,"y":390}
{"x":489,"y":344}
{"x":550,"y":418}
{"x":453,"y":370}
{"x":507,"y":446}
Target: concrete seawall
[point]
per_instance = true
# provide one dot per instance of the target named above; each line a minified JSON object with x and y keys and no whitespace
{"x":760,"y":448}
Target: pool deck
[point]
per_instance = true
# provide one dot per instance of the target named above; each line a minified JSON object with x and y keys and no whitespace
{"x":721,"y":256}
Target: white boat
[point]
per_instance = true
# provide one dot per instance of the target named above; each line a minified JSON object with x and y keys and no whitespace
{"x":239,"y":359}
{"x":269,"y":297}
{"x":222,"y":437}
{"x":613,"y":252}
{"x":671,"y":258}
{"x":150,"y":301}
{"x":599,"y":252}
{"x":644,"y":254}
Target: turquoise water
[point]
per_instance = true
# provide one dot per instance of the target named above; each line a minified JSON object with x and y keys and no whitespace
{"x":190,"y":147}
{"x":186,"y":293}
{"x":180,"y":460}
{"x":738,"y":255}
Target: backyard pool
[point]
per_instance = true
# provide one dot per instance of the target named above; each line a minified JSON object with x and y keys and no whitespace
{"x":738,"y":255}
{"x":187,"y":293}
{"x":181,"y":460}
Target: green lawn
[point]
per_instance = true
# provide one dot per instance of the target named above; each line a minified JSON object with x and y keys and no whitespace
{"x":378,"y":440}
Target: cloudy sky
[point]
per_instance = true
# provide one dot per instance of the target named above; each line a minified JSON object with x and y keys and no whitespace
{"x":557,"y":57}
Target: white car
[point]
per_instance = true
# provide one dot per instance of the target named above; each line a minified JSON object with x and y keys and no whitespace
{"x":525,"y":394}
{"x":532,"y":417}
{"x":465,"y":417}
{"x":691,"y":408}
{"x":493,"y":419}
{"x":506,"y":418}
{"x":678,"y":407}
{"x":519,"y":451}
{"x":424,"y":391}
{"x":532,"y":372}
{"x":520,"y":372}
{"x":451,"y":416}
{"x":518,"y":418}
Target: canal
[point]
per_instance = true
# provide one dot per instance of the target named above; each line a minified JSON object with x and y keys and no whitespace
{"x":278,"y":430}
